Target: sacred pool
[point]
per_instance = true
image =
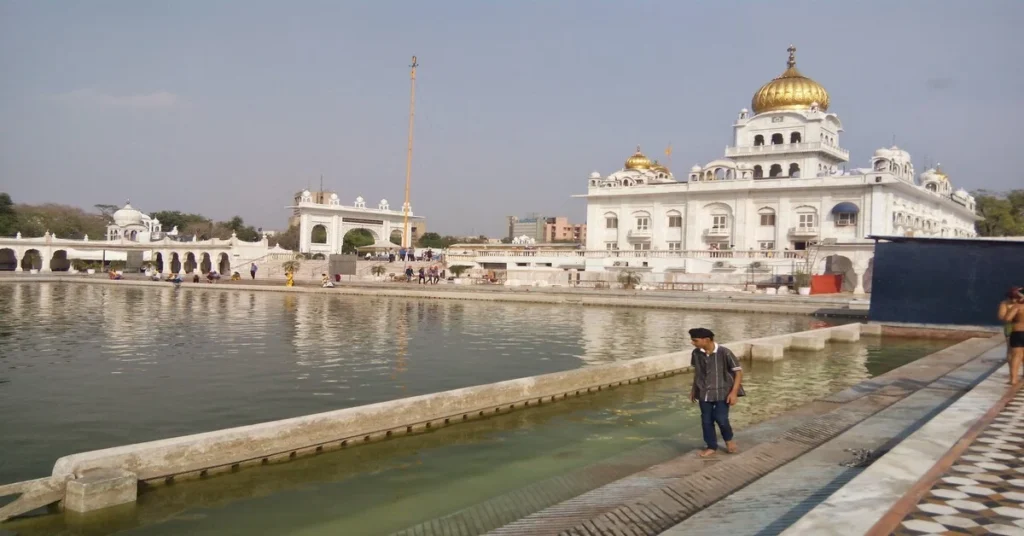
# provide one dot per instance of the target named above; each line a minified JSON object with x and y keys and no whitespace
{"x":85,"y":367}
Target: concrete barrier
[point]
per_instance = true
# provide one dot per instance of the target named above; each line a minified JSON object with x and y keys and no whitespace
{"x":808,"y":342}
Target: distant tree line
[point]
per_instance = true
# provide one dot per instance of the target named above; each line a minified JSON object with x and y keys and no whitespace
{"x":72,"y":222}
{"x":1002,"y":213}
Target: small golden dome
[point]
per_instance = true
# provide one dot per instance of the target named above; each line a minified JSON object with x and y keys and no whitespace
{"x":939,"y":174}
{"x":790,"y":91}
{"x":656,"y":166}
{"x":638,"y":160}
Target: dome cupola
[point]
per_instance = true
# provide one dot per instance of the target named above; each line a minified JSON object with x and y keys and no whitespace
{"x":127,"y":215}
{"x":638,"y":161}
{"x":790,"y":91}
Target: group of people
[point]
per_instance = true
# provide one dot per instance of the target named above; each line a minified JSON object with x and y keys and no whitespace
{"x":1011,"y":314}
{"x":431,"y":276}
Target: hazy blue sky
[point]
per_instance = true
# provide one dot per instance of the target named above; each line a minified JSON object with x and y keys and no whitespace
{"x":228,"y":108}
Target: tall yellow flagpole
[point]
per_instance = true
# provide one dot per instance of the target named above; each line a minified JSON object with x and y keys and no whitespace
{"x":406,"y":239}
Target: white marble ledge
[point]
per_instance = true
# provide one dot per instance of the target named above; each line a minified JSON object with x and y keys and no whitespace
{"x":857,"y":506}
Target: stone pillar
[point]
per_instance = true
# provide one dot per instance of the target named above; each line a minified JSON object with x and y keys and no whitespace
{"x":100,"y":488}
{"x":46,"y":254}
{"x":859,"y":268}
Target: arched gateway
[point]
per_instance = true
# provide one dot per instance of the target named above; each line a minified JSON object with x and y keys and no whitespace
{"x":323,"y":225}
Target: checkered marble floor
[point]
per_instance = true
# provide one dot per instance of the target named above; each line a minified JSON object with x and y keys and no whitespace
{"x":983,"y":492}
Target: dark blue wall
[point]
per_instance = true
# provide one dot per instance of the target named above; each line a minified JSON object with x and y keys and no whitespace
{"x":943,"y":282}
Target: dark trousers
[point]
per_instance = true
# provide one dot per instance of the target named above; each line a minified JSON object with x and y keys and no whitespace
{"x":711,"y":413}
{"x":253,"y":274}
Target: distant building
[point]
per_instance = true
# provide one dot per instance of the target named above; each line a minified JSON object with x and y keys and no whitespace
{"x":546,"y":229}
{"x":559,"y":229}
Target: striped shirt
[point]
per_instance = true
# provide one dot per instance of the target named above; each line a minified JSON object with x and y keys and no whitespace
{"x":713,"y":373}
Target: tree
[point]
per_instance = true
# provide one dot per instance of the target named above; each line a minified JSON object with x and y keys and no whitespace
{"x":237,"y":226}
{"x":436,"y":241}
{"x":1003,"y":213}
{"x":288,"y":239}
{"x":458,"y":269}
{"x":107,"y":210}
{"x":8,"y":216}
{"x":629,"y":279}
{"x":170,"y":219}
{"x":62,"y":220}
{"x":354,"y":239}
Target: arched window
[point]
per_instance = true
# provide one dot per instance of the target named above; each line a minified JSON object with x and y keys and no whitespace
{"x":318,"y":235}
{"x":611,"y":220}
{"x":794,"y":137}
{"x":758,"y":172}
{"x":806,"y":217}
{"x":719,"y":174}
{"x":777,"y":139}
{"x":930,"y":186}
{"x":775,"y":170}
{"x":675,"y":219}
{"x":767,"y":217}
{"x":758,"y":140}
{"x":794,"y":170}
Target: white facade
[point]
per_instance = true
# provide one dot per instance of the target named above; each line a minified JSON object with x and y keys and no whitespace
{"x":131,"y":224}
{"x":780,"y":188}
{"x":336,"y":220}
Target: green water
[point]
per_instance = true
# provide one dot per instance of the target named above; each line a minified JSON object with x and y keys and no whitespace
{"x":84,"y":367}
{"x":388,"y":486}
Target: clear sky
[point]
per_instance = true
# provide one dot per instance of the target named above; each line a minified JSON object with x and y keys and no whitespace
{"x":229,"y":107}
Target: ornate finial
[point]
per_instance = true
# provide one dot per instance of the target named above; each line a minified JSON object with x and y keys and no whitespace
{"x":128,"y":202}
{"x":792,"y":56}
{"x":637,"y":149}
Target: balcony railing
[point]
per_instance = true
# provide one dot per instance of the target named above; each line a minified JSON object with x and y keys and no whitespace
{"x":803,"y":231}
{"x":721,"y":232}
{"x":639,"y":234}
{"x":786,"y":148}
{"x":628,"y":253}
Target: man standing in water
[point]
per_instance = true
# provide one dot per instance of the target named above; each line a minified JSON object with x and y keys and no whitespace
{"x":717,"y":379}
{"x":1011,"y":312}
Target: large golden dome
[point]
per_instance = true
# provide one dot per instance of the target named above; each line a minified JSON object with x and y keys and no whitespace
{"x":638,"y":160}
{"x":790,"y":91}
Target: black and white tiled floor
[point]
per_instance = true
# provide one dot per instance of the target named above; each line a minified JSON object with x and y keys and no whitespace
{"x":983,"y":492}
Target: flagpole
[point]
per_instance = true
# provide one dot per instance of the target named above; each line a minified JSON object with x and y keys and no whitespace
{"x":406,"y":239}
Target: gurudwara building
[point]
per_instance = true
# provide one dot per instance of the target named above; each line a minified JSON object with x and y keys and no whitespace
{"x":780,"y":200}
{"x":780,"y":187}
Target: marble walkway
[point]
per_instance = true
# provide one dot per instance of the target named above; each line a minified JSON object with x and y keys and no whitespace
{"x":983,"y":491}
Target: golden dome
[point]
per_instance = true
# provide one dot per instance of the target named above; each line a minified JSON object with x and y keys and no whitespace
{"x":638,"y":160}
{"x":790,"y":91}
{"x":939,"y":174}
{"x":655,"y":166}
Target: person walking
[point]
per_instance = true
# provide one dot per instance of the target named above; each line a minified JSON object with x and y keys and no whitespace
{"x":717,"y":385}
{"x":252,"y":270}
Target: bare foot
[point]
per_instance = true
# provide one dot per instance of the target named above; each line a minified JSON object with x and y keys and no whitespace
{"x":707,"y":453}
{"x":731,"y":447}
